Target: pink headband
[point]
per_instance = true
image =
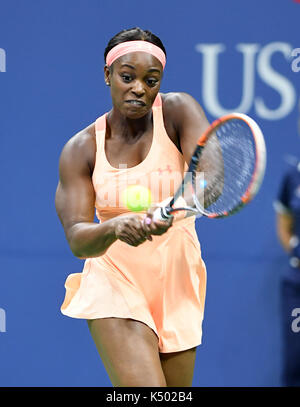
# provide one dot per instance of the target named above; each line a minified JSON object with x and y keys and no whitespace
{"x":134,"y":46}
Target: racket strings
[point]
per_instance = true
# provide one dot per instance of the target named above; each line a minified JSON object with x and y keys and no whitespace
{"x":227,"y":164}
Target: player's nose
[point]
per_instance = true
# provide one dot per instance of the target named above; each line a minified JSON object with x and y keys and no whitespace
{"x":138,"y":88}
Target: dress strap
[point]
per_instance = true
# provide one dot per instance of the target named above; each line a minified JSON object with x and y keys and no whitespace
{"x":100,"y":123}
{"x":157,"y":101}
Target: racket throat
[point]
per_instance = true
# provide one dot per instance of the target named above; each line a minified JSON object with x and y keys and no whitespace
{"x":165,"y":214}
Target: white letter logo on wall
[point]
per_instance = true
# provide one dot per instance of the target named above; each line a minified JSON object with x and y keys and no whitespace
{"x":2,"y":320}
{"x":265,"y":71}
{"x":2,"y":60}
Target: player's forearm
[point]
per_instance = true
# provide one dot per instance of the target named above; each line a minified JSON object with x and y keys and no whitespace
{"x":91,"y":239}
{"x":284,"y":239}
{"x":284,"y":236}
{"x":285,"y":230}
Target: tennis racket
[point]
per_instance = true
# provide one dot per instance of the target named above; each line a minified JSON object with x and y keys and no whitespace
{"x":225,"y":172}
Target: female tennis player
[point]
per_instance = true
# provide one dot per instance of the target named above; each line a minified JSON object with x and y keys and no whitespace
{"x":142,"y":288}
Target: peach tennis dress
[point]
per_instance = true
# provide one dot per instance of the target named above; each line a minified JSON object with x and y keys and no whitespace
{"x":162,"y":282}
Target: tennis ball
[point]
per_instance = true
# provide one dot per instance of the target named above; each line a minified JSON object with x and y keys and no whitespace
{"x":137,"y":198}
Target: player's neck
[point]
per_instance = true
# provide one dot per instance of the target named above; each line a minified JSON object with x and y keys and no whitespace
{"x":126,"y":127}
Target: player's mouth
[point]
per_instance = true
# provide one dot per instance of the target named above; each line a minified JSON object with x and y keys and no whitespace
{"x":134,"y":102}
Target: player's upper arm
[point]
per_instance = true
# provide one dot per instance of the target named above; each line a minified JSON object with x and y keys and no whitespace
{"x":189,"y":120}
{"x":75,"y":195}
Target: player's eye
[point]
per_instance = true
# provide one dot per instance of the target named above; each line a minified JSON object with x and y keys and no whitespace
{"x":152,"y":81}
{"x":126,"y":78}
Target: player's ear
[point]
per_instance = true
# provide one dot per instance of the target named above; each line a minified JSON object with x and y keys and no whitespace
{"x":107,"y":75}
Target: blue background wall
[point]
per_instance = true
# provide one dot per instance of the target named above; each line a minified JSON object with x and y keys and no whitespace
{"x":51,"y":88}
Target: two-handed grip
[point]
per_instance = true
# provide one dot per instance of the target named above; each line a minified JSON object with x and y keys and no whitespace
{"x":161,"y":214}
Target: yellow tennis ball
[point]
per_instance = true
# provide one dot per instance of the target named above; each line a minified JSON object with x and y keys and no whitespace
{"x":137,"y":198}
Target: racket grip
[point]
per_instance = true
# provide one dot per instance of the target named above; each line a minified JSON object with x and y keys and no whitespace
{"x":161,"y":214}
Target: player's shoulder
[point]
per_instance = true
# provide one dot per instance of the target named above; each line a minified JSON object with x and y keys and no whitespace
{"x":81,"y":147}
{"x":180,"y":105}
{"x":82,"y":138}
{"x":181,"y":108}
{"x":177,"y":100}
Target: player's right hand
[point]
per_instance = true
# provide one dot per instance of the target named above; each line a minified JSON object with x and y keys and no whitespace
{"x":130,"y":229}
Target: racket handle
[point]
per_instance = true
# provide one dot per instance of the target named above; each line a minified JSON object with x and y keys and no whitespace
{"x":161,"y":214}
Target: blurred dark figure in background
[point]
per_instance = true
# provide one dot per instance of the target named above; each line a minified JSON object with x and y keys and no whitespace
{"x":287,"y":209}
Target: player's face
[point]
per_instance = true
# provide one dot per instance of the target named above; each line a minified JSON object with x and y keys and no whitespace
{"x":134,"y":82}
